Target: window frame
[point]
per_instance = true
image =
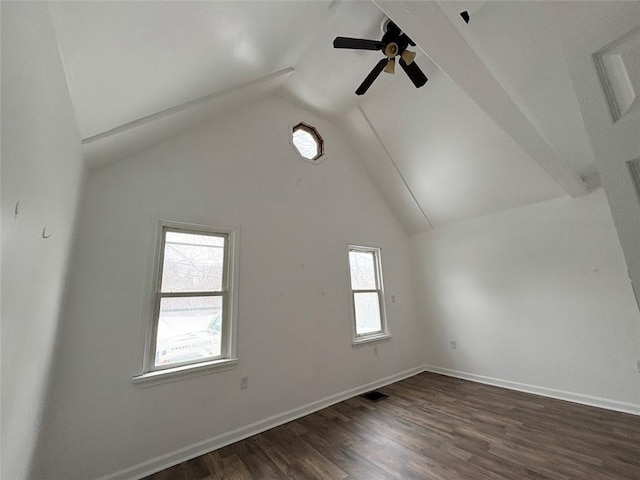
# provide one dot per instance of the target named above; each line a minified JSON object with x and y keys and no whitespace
{"x":383,"y":333}
{"x":228,"y":354}
{"x":313,"y":131}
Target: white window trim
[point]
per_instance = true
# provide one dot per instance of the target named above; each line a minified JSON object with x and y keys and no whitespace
{"x":384,"y":334}
{"x":153,"y":375}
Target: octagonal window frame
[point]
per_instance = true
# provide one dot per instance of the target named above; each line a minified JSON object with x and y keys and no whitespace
{"x":313,"y":131}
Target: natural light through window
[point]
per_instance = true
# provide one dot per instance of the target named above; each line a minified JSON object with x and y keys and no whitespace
{"x":367,"y":293}
{"x":307,"y":141}
{"x":192,"y":297}
{"x":192,"y":308}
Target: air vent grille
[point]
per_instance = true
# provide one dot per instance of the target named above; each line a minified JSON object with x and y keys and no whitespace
{"x":374,"y":396}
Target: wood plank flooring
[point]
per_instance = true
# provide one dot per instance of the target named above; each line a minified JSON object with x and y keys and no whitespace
{"x":434,"y":427}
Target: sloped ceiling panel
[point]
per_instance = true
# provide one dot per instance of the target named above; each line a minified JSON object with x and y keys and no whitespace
{"x":128,"y":60}
{"x":457,"y":161}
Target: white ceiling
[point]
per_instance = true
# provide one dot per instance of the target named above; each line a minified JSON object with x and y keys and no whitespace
{"x":522,"y":43}
{"x":129,"y":60}
{"x":457,"y":162}
{"x":326,"y":78}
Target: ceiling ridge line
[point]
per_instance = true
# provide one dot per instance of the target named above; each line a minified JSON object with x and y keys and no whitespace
{"x":386,"y":151}
{"x":438,"y":37}
{"x":183,"y":106}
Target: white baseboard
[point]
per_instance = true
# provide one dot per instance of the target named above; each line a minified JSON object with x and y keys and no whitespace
{"x":154,"y":465}
{"x":543,"y":391}
{"x":157,"y":464}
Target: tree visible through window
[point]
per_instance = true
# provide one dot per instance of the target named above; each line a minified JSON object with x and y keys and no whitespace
{"x":193,"y":298}
{"x":367,"y":293}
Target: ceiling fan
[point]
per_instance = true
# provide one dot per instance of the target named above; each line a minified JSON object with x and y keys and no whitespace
{"x":394,"y":43}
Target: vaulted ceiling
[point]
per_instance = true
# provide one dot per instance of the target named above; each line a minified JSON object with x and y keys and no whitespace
{"x":497,"y":126}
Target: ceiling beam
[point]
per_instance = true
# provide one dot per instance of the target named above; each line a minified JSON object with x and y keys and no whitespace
{"x":187,"y":105}
{"x":132,"y":137}
{"x":434,"y":33}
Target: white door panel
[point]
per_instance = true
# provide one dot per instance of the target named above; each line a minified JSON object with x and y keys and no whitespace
{"x":604,"y":65}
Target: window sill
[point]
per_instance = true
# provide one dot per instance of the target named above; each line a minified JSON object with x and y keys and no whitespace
{"x":179,"y":373}
{"x":370,"y":339}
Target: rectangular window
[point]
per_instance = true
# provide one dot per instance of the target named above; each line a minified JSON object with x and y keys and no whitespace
{"x":192,"y":322}
{"x":367,"y":294}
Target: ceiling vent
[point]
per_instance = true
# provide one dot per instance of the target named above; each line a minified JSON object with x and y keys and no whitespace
{"x":307,"y":142}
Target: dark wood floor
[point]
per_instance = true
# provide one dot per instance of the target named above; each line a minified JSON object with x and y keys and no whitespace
{"x":435,"y":427}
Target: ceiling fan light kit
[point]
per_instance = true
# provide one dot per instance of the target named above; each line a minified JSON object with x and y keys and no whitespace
{"x":394,"y":43}
{"x":391,"y":66}
{"x":408,"y":56}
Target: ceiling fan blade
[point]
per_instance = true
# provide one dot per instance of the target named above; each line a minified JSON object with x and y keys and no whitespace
{"x":408,"y":56}
{"x":372,"y":76}
{"x":356,"y":43}
{"x":391,"y":66}
{"x":414,"y":73}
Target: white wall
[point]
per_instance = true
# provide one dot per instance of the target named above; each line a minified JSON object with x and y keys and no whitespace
{"x":42,"y":169}
{"x":294,"y":341}
{"x":537,"y":295}
{"x":613,"y":143}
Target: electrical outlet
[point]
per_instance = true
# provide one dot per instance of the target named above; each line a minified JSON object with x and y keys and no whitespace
{"x":453,"y":344}
{"x":393,"y":299}
{"x":244,"y":382}
{"x":638,"y":364}
{"x":375,"y":351}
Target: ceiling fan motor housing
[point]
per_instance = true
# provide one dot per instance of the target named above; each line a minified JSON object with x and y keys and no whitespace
{"x":394,"y":41}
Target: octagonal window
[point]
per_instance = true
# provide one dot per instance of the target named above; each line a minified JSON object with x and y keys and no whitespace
{"x":307,"y":141}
